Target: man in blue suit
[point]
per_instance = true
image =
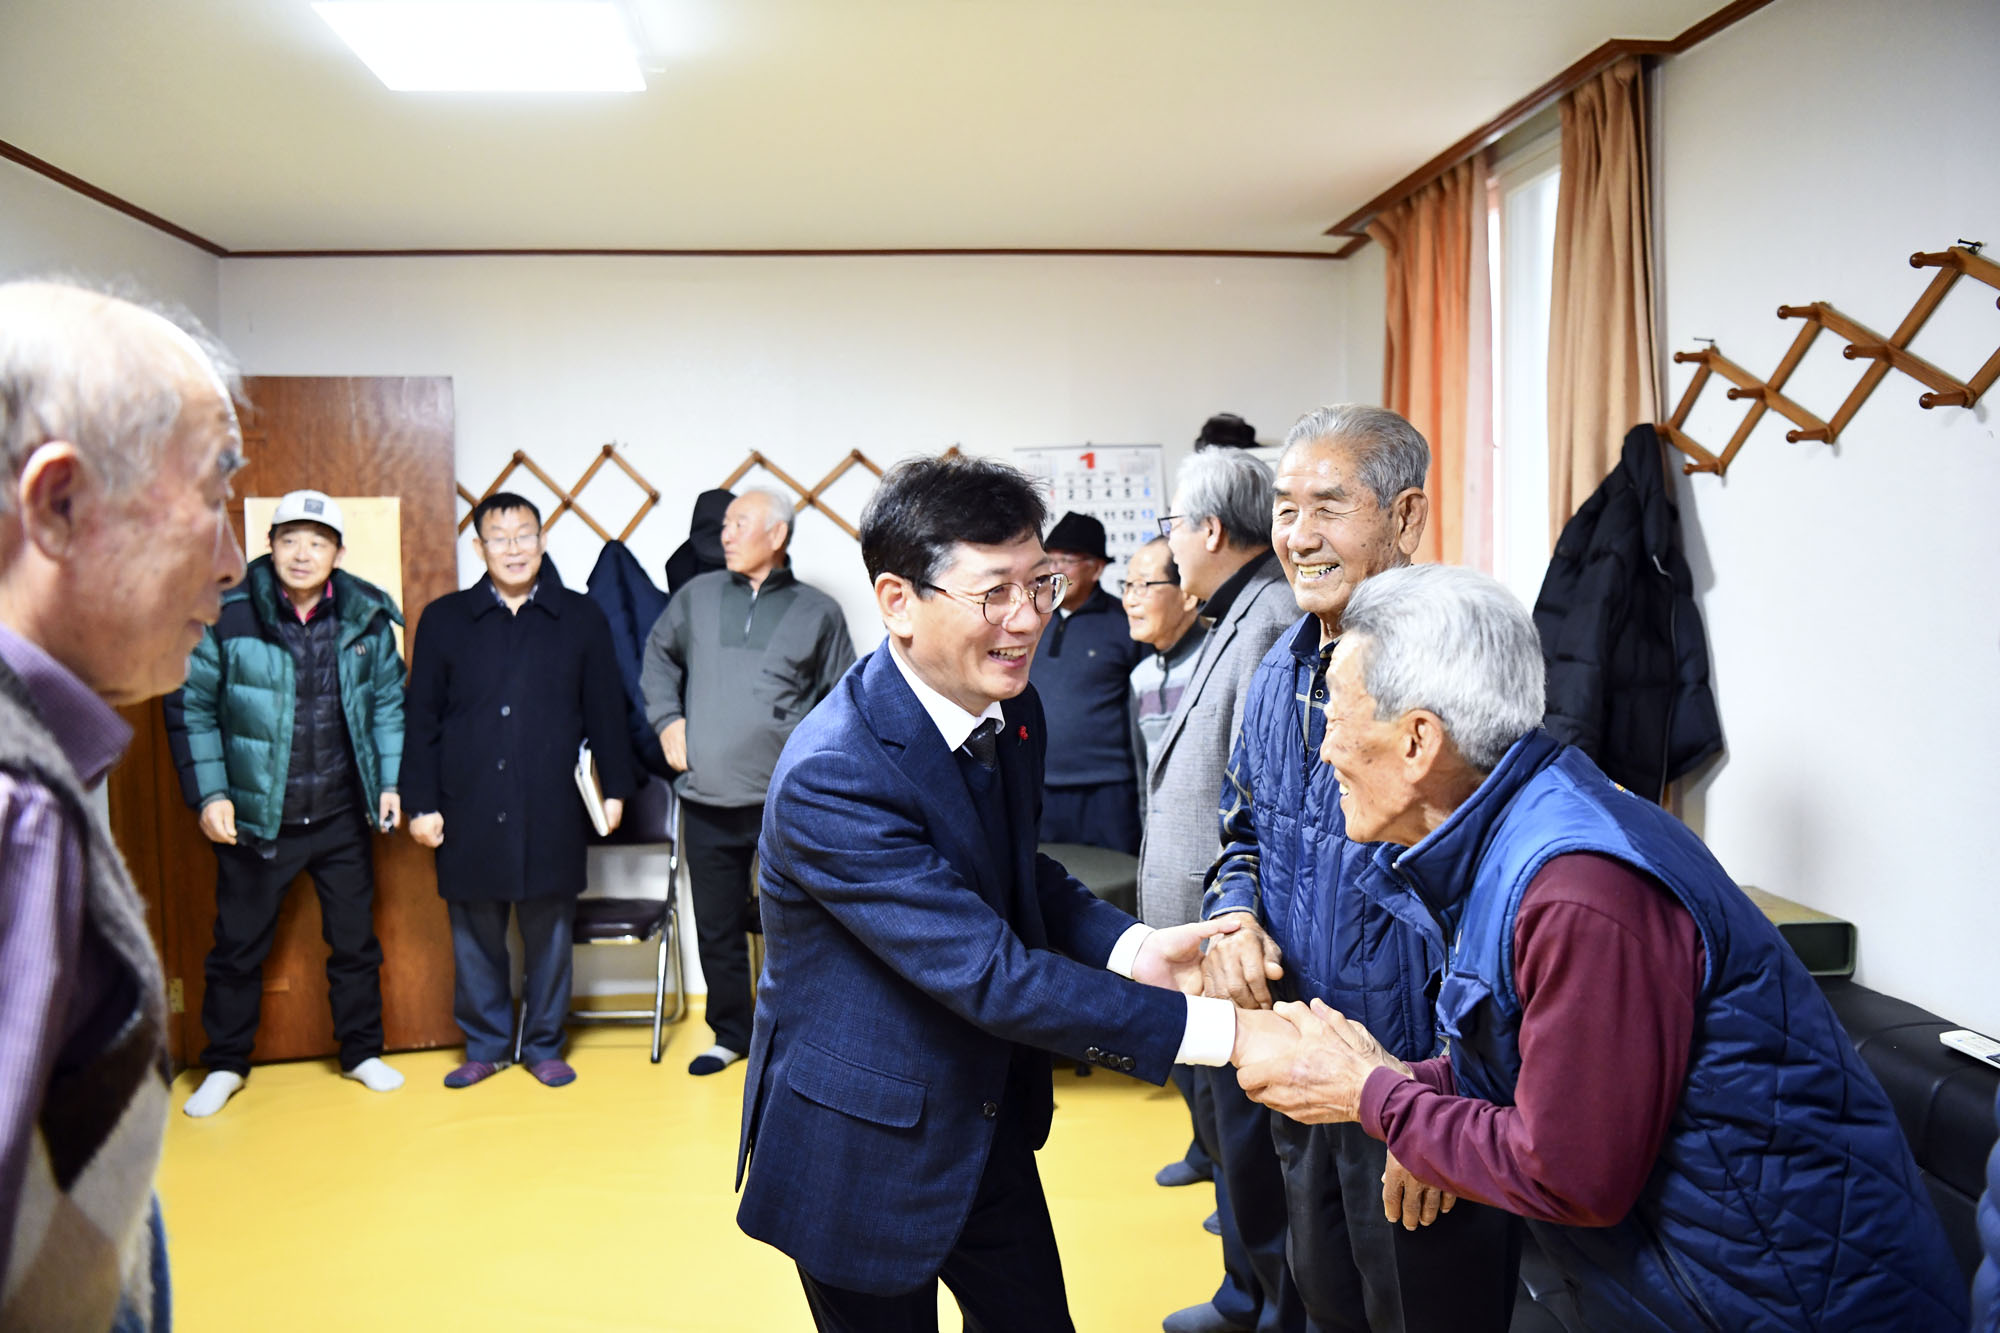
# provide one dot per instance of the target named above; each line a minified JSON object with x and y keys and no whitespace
{"x":922,"y":959}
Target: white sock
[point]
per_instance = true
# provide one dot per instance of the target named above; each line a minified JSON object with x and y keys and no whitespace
{"x":216,"y":1089}
{"x":374,"y":1075}
{"x":724,"y":1054}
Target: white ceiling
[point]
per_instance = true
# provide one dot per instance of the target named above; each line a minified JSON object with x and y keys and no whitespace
{"x":813,"y":124}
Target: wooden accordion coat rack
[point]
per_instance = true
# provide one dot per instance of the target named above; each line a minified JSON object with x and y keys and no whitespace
{"x":567,"y":499}
{"x":1863,"y":344}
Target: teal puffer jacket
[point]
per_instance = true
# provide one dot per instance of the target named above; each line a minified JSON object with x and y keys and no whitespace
{"x":230,"y":726}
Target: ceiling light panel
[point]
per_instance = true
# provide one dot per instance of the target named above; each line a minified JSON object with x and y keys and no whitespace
{"x":490,"y":46}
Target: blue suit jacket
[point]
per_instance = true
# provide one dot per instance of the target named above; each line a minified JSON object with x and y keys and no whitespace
{"x":901,"y":969}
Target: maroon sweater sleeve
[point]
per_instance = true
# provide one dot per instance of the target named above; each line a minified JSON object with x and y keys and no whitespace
{"x":1608,"y":964}
{"x":1435,"y":1075}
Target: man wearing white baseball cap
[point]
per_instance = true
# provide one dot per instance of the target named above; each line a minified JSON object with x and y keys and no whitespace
{"x":289,"y":738}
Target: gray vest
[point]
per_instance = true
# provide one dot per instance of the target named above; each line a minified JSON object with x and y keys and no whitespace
{"x":86,"y":1246}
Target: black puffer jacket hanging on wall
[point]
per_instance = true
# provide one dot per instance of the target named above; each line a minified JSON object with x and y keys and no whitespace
{"x":1627,"y":657}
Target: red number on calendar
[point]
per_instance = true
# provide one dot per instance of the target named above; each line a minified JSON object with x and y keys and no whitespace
{"x":1090,"y":460}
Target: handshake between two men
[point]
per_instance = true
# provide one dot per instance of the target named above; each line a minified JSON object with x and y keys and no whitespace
{"x":1305,"y":1061}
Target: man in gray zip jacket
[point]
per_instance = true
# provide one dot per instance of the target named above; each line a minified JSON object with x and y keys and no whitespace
{"x":732,"y":665}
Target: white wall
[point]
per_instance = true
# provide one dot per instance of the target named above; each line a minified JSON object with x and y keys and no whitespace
{"x":1852,"y":595}
{"x":46,"y":228}
{"x":1363,"y":329}
{"x":691,"y":363}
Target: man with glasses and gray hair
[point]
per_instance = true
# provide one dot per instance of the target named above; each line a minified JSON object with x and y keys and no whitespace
{"x":1218,"y":534}
{"x":1159,"y":616}
{"x":1639,"y":1065}
{"x":1348,"y":503}
{"x":739,"y":656}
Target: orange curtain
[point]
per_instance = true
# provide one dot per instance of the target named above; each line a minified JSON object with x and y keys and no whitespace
{"x":1428,"y":242}
{"x":1601,"y":367}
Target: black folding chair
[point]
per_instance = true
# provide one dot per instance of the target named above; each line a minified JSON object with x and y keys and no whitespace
{"x":652,"y":819}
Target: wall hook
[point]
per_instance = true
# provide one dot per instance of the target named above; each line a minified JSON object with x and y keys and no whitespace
{"x":1863,"y":344}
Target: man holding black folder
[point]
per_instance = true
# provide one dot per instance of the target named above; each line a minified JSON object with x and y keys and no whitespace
{"x":507,"y":679}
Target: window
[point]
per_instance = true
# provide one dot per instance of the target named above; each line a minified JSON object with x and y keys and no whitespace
{"x":1521,"y":252}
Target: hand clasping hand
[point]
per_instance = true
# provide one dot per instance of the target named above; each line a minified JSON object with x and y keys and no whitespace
{"x":1172,"y":957}
{"x":1241,"y":966}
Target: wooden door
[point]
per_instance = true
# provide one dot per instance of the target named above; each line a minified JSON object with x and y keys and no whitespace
{"x":345,"y":437}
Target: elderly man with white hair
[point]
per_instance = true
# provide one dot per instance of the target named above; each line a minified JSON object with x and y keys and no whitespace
{"x":1637,"y":1064}
{"x":118,"y":435}
{"x":1347,"y":504}
{"x":733,"y":664}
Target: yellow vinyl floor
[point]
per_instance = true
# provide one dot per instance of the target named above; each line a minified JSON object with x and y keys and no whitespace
{"x":310,"y":1203}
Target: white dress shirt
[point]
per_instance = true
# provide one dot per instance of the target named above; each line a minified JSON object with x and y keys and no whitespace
{"x":1210,"y":1035}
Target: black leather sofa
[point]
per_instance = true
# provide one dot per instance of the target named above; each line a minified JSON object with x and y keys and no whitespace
{"x":1943,"y":1099}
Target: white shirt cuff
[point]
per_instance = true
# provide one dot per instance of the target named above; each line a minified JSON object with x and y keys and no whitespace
{"x":1126,"y":952}
{"x":1210,"y":1038}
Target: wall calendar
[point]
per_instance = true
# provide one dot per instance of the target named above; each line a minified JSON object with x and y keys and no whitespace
{"x":1122,"y":486}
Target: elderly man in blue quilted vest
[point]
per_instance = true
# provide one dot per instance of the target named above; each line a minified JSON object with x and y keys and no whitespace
{"x":289,"y":738}
{"x":1637,"y":1063}
{"x":1347,"y":503}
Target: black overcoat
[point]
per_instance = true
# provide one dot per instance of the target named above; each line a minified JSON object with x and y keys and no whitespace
{"x":1622,"y":637}
{"x":498,"y":704}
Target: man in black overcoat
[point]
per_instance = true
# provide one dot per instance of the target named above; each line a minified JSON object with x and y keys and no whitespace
{"x":507,"y":679}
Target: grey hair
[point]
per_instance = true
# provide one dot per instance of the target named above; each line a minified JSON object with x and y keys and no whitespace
{"x":1456,"y":643}
{"x":1172,"y":568}
{"x":1393,"y":456}
{"x":777,"y":509}
{"x":1232,"y":487}
{"x":87,"y":365}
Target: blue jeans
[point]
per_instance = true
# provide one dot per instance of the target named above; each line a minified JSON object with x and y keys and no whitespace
{"x":482,"y":984}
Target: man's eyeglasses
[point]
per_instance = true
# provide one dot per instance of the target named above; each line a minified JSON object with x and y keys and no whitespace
{"x":1129,"y":588}
{"x":519,"y":541}
{"x":999,"y":603}
{"x":1167,"y":523}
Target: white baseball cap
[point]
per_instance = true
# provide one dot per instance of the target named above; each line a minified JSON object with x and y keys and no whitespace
{"x":310,"y":507}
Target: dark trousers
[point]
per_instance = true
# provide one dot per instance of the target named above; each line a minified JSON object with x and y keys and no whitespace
{"x":1102,"y":815}
{"x":482,"y":996}
{"x":250,"y":887}
{"x":1356,"y":1271}
{"x":1004,"y":1271}
{"x":1257,"y":1289}
{"x":1196,"y":1156}
{"x":720,"y":844}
